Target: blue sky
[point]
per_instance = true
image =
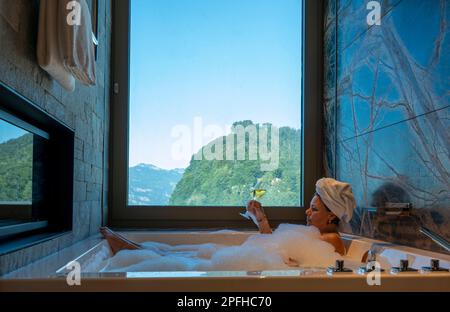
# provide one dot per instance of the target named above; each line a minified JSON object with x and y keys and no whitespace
{"x":8,"y":131}
{"x":221,"y":60}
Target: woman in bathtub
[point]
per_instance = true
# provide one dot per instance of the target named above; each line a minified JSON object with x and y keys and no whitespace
{"x":333,"y":203}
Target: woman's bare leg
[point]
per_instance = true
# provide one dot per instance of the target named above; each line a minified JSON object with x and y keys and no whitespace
{"x":117,"y":242}
{"x":256,"y":212}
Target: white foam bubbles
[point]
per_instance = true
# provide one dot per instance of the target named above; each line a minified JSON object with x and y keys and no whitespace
{"x":288,"y":245}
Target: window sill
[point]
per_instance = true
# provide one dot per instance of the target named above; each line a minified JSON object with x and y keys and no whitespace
{"x":23,"y":227}
{"x":12,"y":245}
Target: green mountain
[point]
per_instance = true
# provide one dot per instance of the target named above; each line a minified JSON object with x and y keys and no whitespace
{"x":229,"y":182}
{"x":150,"y":185}
{"x":16,"y":169}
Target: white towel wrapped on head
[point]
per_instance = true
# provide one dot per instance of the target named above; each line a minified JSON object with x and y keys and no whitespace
{"x":338,"y":197}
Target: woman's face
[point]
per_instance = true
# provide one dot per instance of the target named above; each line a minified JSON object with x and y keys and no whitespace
{"x":317,"y":214}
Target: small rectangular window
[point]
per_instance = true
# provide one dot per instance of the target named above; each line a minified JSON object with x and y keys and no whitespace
{"x":23,"y":152}
{"x":36,"y":173}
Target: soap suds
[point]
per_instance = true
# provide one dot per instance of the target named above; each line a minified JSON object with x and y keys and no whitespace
{"x":289,"y":243}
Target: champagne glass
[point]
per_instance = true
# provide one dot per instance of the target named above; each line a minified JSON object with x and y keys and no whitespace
{"x":257,"y":192}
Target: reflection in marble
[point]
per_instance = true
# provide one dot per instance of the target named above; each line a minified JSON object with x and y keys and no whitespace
{"x":391,"y":115}
{"x":409,"y":153}
{"x":393,"y":165}
{"x":404,"y":163}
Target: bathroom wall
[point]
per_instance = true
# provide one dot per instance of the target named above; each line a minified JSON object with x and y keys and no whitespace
{"x":387,"y":113}
{"x":85,"y":110}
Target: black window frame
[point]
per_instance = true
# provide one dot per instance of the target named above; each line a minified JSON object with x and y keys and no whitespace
{"x":56,"y":217}
{"x":24,"y":216}
{"x":121,"y":215}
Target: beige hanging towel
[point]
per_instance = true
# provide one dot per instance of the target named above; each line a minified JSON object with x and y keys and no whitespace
{"x":75,"y":40}
{"x":48,"y":52}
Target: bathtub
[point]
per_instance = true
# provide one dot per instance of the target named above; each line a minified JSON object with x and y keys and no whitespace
{"x":49,"y":274}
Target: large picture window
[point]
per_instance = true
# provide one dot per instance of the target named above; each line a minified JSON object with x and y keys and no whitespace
{"x":210,"y":83}
{"x":211,"y":107}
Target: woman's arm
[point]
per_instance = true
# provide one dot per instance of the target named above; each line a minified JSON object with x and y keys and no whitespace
{"x":256,"y":213}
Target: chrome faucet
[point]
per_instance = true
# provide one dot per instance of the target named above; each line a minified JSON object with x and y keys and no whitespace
{"x":427,"y":232}
{"x":371,"y":256}
{"x":375,"y":249}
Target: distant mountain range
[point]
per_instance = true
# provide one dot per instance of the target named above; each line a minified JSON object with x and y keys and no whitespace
{"x":150,"y":185}
{"x":227,"y":183}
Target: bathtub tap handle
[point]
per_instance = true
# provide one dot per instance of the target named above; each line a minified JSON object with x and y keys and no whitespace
{"x":434,"y":263}
{"x":404,"y":267}
{"x":338,"y":268}
{"x":339,"y":265}
{"x":434,"y":267}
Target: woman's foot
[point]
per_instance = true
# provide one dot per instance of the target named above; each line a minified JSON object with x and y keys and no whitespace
{"x":117,"y":242}
{"x":255,"y":212}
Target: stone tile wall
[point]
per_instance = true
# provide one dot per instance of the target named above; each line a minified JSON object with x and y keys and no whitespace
{"x":86,"y":110}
